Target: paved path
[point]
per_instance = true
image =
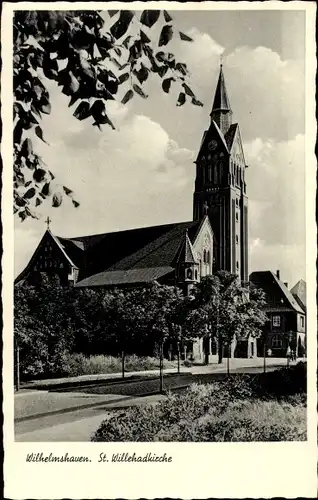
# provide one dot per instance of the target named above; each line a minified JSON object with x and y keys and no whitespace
{"x":213,"y":366}
{"x":75,"y":426}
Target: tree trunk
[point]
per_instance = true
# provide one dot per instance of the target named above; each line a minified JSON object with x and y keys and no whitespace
{"x":264,"y":356}
{"x":178,"y":354}
{"x":229,"y":345}
{"x":228,"y":360}
{"x":123,"y":364}
{"x":220,"y":352}
{"x":206,"y":350}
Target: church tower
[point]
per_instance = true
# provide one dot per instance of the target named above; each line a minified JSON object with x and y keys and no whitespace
{"x":220,"y":186}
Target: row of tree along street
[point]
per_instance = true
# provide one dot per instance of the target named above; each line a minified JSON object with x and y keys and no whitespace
{"x":51,"y":320}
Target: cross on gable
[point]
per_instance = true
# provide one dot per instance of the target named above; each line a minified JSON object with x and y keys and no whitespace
{"x":48,"y":221}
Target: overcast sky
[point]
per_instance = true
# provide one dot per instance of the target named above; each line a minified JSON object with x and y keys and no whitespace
{"x":143,"y":173}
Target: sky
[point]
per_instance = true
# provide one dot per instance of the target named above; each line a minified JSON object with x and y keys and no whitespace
{"x":142,"y":173}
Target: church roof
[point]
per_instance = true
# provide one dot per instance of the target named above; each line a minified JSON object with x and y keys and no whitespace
{"x":269,"y":282}
{"x":230,"y":134}
{"x":145,"y":252}
{"x":221,"y":99}
{"x":126,"y":277}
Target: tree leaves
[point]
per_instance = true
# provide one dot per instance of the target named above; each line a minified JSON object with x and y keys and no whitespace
{"x":98,"y":111}
{"x":166,"y":84}
{"x":112,"y":13}
{"x":39,"y":133}
{"x":144,"y":38}
{"x":26,"y":148}
{"x":45,"y":189}
{"x":167,"y":16}
{"x":82,"y":111}
{"x":185,"y":37}
{"x":182,"y":68}
{"x":149,"y":17}
{"x":56,"y":200}
{"x":46,"y":107}
{"x":121,"y":26}
{"x":188,"y":91}
{"x":165,"y":35}
{"x":17,"y":132}
{"x":129,"y":95}
{"x":39,"y":174}
{"x":123,"y":77}
{"x":75,"y":203}
{"x":139,"y":91}
{"x":181,"y":99}
{"x":50,"y":67}
{"x":43,"y":39}
{"x":67,"y":191}
{"x":142,"y":74}
{"x":29,"y":193}
{"x":196,"y":102}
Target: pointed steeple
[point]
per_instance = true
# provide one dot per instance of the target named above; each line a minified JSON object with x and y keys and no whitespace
{"x":185,"y":253}
{"x":221,"y":110}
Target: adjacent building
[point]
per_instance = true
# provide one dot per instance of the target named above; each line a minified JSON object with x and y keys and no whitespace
{"x":286,"y":325}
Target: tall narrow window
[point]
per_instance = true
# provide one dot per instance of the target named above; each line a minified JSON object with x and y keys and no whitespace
{"x":216,"y":173}
{"x":208,"y":257}
{"x":204,"y":256}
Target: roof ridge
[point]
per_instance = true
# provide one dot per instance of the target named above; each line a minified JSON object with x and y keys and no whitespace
{"x":121,"y":231}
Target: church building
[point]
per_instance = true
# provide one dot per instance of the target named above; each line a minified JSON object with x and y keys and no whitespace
{"x":182,"y":253}
{"x":178,"y":253}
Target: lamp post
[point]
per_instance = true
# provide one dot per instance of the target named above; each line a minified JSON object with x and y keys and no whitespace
{"x":264,"y":352}
{"x":17,"y":374}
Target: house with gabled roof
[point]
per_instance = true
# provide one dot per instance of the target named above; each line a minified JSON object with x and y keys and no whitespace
{"x":286,"y":325}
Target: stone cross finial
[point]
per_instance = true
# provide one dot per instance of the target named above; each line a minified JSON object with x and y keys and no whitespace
{"x":48,"y":221}
{"x":205,"y":208}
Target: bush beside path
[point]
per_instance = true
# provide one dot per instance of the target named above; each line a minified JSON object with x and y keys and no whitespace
{"x":270,"y":407}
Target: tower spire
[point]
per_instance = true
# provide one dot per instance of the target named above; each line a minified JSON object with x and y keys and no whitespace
{"x":221,"y":110}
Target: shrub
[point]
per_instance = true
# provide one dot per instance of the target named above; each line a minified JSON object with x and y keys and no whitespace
{"x":281,"y":383}
{"x":257,"y":421}
{"x":222,"y":411}
{"x":73,"y":365}
{"x":187,"y":363}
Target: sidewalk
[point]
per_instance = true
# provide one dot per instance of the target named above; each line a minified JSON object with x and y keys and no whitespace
{"x":213,"y":366}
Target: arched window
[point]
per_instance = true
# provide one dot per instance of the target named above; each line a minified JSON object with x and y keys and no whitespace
{"x":189,"y":274}
{"x":195,"y":274}
{"x":204,"y":256}
{"x":208,"y":258}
